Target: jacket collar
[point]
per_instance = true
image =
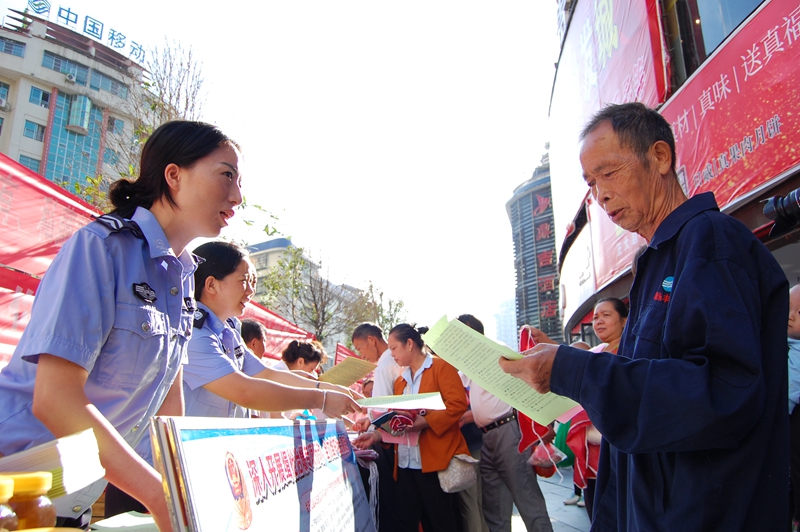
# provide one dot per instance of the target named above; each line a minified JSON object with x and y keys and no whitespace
{"x":673,"y":223}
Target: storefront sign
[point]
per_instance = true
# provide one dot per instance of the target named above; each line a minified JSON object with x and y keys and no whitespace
{"x":736,"y":122}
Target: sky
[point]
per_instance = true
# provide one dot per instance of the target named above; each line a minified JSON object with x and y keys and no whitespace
{"x":386,"y":137}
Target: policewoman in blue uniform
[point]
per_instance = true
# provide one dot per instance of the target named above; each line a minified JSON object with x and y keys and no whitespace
{"x":113,"y":315}
{"x":222,"y":377}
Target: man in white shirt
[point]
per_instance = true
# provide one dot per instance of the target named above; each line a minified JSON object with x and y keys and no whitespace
{"x":369,"y":342}
{"x":503,"y":469}
{"x":371,"y":345}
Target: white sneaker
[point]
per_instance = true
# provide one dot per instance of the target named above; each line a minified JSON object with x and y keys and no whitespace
{"x":582,"y":503}
{"x":575,"y":499}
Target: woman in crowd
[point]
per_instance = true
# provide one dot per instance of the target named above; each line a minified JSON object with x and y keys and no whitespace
{"x":419,"y":494}
{"x":302,"y":355}
{"x":583,"y":439}
{"x":113,"y":314}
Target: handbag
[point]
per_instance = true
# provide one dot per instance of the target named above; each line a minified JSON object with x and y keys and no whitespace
{"x":459,"y":475}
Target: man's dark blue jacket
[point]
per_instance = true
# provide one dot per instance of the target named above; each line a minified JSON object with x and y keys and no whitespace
{"x":693,"y":411}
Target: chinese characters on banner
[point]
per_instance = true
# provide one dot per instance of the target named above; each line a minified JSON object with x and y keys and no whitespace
{"x":91,"y":27}
{"x":248,"y":474}
{"x":546,"y":261}
{"x":613,"y":53}
{"x":735,"y":122}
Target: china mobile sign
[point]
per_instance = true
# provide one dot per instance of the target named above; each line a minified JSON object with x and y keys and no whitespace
{"x":736,"y":121}
{"x":91,"y":27}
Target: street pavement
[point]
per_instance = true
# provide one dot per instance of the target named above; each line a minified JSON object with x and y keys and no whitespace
{"x":564,"y":518}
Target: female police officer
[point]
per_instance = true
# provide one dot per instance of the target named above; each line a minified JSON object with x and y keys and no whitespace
{"x":112,"y":315}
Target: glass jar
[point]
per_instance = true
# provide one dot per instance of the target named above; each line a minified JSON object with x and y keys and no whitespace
{"x":30,"y":502}
{"x":8,"y":519}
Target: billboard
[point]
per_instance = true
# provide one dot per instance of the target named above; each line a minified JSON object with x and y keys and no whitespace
{"x":735,"y":121}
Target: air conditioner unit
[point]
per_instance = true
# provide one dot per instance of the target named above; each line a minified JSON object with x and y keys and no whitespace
{"x":70,"y":78}
{"x":3,"y":104}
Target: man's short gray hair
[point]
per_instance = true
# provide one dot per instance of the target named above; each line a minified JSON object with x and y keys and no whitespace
{"x":637,"y":126}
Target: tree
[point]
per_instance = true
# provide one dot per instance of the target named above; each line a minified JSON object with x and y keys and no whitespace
{"x":384,"y":311}
{"x":170,"y":89}
{"x":297,"y":291}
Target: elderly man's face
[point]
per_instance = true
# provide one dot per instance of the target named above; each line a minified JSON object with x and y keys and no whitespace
{"x":625,"y":188}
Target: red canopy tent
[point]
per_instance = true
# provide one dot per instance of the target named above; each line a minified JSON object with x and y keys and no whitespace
{"x":343,"y":352}
{"x":36,"y":218}
{"x":280,"y":331}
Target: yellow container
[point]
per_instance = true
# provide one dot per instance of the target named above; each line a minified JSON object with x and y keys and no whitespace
{"x":8,"y":519}
{"x":30,"y":502}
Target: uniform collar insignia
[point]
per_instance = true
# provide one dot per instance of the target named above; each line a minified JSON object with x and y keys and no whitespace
{"x":200,"y":316}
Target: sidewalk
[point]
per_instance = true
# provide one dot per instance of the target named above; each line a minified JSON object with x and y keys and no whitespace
{"x":564,"y":518}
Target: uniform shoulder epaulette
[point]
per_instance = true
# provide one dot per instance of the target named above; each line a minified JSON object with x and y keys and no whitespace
{"x":200,"y":316}
{"x":117,"y":223}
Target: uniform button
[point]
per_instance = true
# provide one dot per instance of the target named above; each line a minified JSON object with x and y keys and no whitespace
{"x":134,"y":429}
{"x":174,"y":290}
{"x":174,"y":337}
{"x":76,"y":509}
{"x":145,"y":327}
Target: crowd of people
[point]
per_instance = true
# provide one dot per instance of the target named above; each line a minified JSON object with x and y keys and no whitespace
{"x":683,"y":427}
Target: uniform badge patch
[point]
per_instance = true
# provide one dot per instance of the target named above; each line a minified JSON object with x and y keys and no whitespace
{"x":238,"y":352}
{"x":144,"y":292}
{"x":199,"y":318}
{"x":189,"y":302}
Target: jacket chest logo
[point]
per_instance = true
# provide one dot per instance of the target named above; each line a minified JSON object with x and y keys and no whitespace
{"x":663,"y":294}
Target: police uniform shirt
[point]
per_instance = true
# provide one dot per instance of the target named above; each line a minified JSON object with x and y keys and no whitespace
{"x":216,"y":349}
{"x":117,"y":302}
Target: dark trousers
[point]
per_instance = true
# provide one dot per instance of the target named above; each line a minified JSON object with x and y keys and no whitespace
{"x":421,"y":500}
{"x":388,"y":510}
{"x":588,"y":496}
{"x":794,"y":438}
{"x":81,"y":522}
{"x":119,"y":502}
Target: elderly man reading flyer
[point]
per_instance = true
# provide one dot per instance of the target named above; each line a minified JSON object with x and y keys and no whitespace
{"x":693,"y":410}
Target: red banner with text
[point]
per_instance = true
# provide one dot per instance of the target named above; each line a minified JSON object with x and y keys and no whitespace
{"x":736,"y":122}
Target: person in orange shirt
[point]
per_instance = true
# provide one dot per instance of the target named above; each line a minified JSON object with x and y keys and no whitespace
{"x":420,"y":497}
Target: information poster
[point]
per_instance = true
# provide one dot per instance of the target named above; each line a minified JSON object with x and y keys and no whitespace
{"x":252,"y":474}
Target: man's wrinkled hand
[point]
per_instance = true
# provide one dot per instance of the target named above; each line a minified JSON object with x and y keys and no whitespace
{"x":534,"y":368}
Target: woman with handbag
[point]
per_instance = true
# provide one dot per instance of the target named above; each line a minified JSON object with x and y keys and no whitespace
{"x":432,"y":440}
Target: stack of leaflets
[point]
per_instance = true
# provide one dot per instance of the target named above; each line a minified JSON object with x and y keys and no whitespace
{"x":73,"y":460}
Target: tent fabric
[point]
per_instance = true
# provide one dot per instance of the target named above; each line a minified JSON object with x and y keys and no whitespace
{"x":36,"y":218}
{"x":343,"y":352}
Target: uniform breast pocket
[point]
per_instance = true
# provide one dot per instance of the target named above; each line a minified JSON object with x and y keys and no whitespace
{"x":649,"y":331}
{"x":135,"y":351}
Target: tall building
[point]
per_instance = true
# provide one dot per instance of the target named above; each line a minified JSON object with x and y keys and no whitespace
{"x":63,"y":95}
{"x":530,"y":211}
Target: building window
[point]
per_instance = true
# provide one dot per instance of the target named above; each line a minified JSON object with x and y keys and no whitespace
{"x":1,"y":126}
{"x":34,"y":131}
{"x":695,"y":28}
{"x":100,"y":81}
{"x":4,"y":88}
{"x":40,"y":97}
{"x":65,"y":66}
{"x":30,"y":163}
{"x":115,"y":125}
{"x":7,"y":46}
{"x":110,"y":157}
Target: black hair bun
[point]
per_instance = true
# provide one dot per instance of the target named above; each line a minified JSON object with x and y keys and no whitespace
{"x":422,"y":330}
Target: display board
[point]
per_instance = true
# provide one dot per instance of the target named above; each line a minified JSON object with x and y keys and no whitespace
{"x":254,"y":474}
